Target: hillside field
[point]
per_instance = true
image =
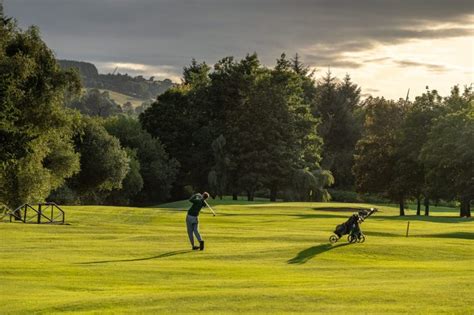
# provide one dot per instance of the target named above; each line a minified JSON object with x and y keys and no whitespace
{"x":260,"y":257}
{"x":121,"y":99}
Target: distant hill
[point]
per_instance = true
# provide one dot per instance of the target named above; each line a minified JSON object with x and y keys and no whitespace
{"x":136,"y":87}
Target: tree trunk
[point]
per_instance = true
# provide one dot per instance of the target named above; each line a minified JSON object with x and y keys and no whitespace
{"x":427,"y":206}
{"x":234,"y":196}
{"x":273,"y":194}
{"x":465,"y":208}
{"x":402,"y":207}
{"x":250,"y":195}
{"x":418,"y":206}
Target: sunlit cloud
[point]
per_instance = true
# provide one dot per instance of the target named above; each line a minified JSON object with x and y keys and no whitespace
{"x":159,"y":72}
{"x":386,"y":46}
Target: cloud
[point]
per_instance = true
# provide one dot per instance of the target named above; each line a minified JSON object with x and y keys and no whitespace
{"x":430,"y":67}
{"x":171,"y":32}
{"x":159,"y":72}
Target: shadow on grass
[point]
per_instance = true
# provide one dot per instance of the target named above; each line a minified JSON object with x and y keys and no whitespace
{"x":436,"y":219}
{"x":383,"y":234}
{"x":309,"y":253}
{"x":169,"y":254}
{"x":459,"y":235}
{"x":319,"y":216}
{"x":340,"y":209}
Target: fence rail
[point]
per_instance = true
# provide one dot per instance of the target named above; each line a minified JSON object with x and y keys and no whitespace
{"x":43,"y":213}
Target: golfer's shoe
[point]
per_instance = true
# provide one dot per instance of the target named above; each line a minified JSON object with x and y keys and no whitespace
{"x":196,"y":247}
{"x":201,"y":245}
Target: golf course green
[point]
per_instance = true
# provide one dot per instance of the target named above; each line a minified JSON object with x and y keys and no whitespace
{"x":260,"y":257}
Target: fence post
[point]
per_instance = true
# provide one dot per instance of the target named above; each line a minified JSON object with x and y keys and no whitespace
{"x":39,"y":213}
{"x":408,"y":228}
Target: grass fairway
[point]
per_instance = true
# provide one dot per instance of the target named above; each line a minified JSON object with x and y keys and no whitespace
{"x":260,"y":258}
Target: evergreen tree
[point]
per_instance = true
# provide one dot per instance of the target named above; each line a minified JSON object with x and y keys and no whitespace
{"x":336,"y":104}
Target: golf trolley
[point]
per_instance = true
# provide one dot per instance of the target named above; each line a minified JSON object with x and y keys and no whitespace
{"x":352,"y":227}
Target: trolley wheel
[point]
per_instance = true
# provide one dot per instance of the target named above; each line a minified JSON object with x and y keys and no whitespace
{"x":361,"y":239}
{"x":351,"y":238}
{"x":333,"y":239}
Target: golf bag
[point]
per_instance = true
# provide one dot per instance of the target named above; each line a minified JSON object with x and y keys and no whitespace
{"x":352,"y":227}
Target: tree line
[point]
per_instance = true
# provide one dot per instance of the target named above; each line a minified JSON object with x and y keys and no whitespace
{"x":422,"y":150}
{"x":237,"y":128}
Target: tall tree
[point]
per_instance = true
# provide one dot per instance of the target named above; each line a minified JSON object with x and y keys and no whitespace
{"x":104,"y":163}
{"x":414,"y":131}
{"x":449,"y":151}
{"x":156,"y":168}
{"x":335,"y":104}
{"x":35,"y":131}
{"x":218,"y":176}
{"x":376,"y":167}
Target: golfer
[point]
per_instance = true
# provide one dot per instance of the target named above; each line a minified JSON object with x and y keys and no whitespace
{"x":192,"y":222}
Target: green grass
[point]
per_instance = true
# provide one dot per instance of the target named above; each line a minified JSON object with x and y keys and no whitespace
{"x":260,"y":258}
{"x":121,"y":99}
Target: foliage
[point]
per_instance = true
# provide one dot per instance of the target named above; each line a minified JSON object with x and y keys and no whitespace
{"x":156,"y":168}
{"x":260,"y":113}
{"x":104,"y":164}
{"x":96,"y":103}
{"x":336,"y":104}
{"x":310,"y":186}
{"x":377,"y":168}
{"x":35,"y":130}
{"x":132,"y":184}
{"x":413,"y":134}
{"x":218,"y":175}
{"x":449,"y":151}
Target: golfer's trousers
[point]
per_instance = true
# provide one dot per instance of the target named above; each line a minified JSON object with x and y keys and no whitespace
{"x":192,"y":223}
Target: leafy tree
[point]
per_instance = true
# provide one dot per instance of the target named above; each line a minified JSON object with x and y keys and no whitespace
{"x":218,"y":175}
{"x":96,"y":103}
{"x":35,"y":131}
{"x":377,"y":168}
{"x":414,"y":131}
{"x":196,"y":74}
{"x":142,"y":107}
{"x":132,"y":184}
{"x":449,"y":151}
{"x":104,"y":164}
{"x":156,"y":168}
{"x":261,"y":113}
{"x":310,"y":186}
{"x":173,"y":120}
{"x":128,"y":109}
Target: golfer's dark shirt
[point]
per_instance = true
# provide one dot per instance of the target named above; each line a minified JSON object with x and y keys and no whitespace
{"x":198,"y":204}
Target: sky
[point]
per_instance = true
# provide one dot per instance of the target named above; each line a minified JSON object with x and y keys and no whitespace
{"x":387,"y":46}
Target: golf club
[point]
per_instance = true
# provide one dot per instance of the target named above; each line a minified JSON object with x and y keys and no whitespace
{"x":212,"y":210}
